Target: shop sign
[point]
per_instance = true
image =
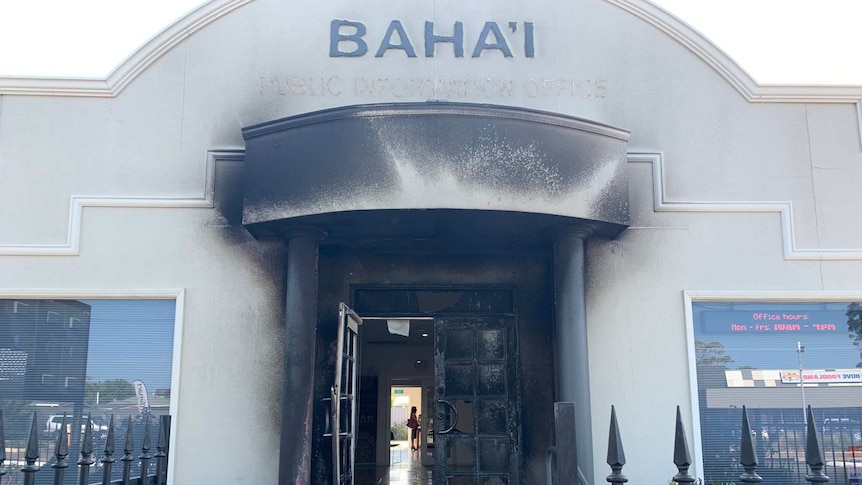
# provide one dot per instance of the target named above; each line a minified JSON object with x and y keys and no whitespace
{"x":141,"y":396}
{"x":823,"y":376}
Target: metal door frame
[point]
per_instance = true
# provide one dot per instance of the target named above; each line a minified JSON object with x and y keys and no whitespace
{"x":345,"y":393}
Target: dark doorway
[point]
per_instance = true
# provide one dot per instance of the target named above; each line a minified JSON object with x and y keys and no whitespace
{"x":397,"y":359}
{"x":460,"y":371}
{"x":502,"y":305}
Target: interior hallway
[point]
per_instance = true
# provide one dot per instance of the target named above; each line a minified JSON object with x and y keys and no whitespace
{"x":406,"y":469}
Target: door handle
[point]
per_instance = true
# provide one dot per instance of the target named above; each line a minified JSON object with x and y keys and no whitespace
{"x":454,"y":414}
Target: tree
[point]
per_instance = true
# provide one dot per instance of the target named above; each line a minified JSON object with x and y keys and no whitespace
{"x":711,"y":353}
{"x":854,"y":323}
{"x":110,"y":390}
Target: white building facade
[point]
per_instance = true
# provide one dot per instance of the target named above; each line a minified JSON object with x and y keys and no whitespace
{"x":558,"y":193}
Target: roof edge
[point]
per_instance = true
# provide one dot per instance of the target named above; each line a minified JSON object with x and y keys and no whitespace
{"x":436,"y":108}
{"x":200,"y":17}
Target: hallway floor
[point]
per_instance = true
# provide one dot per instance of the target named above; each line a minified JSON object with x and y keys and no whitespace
{"x":406,"y":469}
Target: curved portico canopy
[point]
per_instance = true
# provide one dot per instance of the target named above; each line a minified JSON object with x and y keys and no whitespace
{"x":435,"y":172}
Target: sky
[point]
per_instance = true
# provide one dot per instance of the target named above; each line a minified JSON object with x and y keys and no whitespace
{"x":775,"y":41}
{"x":131,"y":339}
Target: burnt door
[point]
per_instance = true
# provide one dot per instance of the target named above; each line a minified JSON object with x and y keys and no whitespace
{"x":345,"y":396}
{"x":476,"y":425}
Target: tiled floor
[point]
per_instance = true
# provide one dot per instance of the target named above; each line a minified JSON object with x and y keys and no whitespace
{"x":405,"y":470}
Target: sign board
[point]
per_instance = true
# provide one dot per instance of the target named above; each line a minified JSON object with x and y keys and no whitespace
{"x":822,"y":376}
{"x":141,"y":395}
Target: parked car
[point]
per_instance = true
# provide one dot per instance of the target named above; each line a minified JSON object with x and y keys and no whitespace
{"x":54,"y":421}
{"x":849,"y":427}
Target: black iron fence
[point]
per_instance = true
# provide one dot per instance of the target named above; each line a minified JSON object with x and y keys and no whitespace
{"x":779,"y":436}
{"x":29,"y":462}
{"x":796,"y":455}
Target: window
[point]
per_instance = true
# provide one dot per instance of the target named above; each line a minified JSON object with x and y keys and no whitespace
{"x":776,"y":358}
{"x":80,"y":357}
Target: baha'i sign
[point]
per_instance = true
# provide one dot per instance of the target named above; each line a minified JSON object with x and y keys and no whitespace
{"x":347,"y":39}
{"x":489,"y":44}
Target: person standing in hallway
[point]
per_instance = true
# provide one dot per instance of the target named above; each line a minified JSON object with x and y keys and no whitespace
{"x":413,"y":424}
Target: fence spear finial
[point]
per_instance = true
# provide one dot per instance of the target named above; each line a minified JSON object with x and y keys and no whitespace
{"x":127,"y":459}
{"x":813,"y":453}
{"x":110,"y":442}
{"x":86,"y":452}
{"x":681,"y":454}
{"x":145,"y":456}
{"x":162,"y":445}
{"x":31,"y":453}
{"x":61,"y":451}
{"x":616,"y":455}
{"x":748,"y":453}
{"x":108,"y":458}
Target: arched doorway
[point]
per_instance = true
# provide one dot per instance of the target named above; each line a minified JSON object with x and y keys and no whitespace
{"x":400,"y":199}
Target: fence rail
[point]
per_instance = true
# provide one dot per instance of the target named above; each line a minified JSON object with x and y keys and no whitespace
{"x":26,"y":471}
{"x":749,"y":458}
{"x":32,"y":471}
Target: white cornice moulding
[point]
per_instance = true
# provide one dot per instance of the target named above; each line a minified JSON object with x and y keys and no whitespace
{"x":59,"y":86}
{"x":660,"y":204}
{"x":774,"y":296}
{"x":782,"y":208}
{"x":200,"y":17}
{"x":91,"y":294}
{"x":729,"y":69}
{"x":130,"y":67}
{"x":165,"y":40}
{"x":859,"y":120}
{"x":77,"y":204}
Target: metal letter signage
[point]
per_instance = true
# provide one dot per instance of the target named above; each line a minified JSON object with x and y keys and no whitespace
{"x":386,"y":43}
{"x":336,"y":37}
{"x":500,"y":44}
{"x":457,"y":39}
{"x":491,"y":37}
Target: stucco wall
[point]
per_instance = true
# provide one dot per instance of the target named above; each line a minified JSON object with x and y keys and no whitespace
{"x":147,"y":148}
